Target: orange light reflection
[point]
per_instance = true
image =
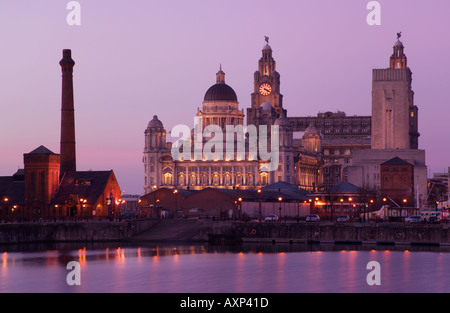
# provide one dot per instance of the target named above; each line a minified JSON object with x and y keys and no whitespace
{"x":82,"y":256}
{"x":4,"y":259}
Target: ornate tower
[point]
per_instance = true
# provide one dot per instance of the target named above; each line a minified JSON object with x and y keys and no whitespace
{"x":155,"y":148}
{"x":266,"y":88}
{"x":68,"y":154}
{"x":394,"y":115}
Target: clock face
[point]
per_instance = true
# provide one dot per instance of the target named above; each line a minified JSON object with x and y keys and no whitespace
{"x":265,"y":89}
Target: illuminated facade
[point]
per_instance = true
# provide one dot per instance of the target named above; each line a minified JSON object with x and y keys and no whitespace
{"x":300,"y":161}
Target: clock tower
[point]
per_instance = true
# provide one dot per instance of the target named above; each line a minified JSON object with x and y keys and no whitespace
{"x":266,"y":90}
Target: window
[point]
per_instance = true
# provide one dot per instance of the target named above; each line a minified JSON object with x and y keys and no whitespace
{"x":82,"y":182}
{"x":43,"y":185}
{"x":216,"y":180}
{"x":264,"y":179}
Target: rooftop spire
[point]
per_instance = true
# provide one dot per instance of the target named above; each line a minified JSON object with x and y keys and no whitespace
{"x":398,"y":59}
{"x":220,"y":76}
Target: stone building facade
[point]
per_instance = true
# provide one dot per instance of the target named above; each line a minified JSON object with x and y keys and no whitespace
{"x":315,"y":152}
{"x":297,"y":164}
{"x":394,"y":129}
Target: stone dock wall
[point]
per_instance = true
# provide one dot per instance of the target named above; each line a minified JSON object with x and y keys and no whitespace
{"x":224,"y":232}
{"x":72,"y":231}
{"x":395,"y":233}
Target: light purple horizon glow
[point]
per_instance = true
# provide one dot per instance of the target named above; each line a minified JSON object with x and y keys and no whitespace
{"x":141,"y":58}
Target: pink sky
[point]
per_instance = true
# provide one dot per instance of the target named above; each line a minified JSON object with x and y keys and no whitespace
{"x":138,"y":58}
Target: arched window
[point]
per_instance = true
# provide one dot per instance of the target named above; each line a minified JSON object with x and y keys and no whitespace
{"x":216,"y":179}
{"x":193,"y":180}
{"x":181,"y":179}
{"x":227,"y":179}
{"x":239,"y":180}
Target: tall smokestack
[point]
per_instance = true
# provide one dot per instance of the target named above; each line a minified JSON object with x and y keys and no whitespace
{"x":68,"y":155}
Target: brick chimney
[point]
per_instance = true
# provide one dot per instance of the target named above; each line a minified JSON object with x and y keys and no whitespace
{"x":68,"y":154}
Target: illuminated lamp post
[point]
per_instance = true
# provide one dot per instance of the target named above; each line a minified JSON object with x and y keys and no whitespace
{"x":316,"y":204}
{"x":280,"y":199}
{"x":404,"y":202}
{"x":240,"y":208}
{"x":4,"y":210}
{"x":175,"y":192}
{"x":350,"y":207}
{"x":260,"y":210}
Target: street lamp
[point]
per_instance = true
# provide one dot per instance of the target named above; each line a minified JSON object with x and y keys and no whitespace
{"x":175,"y":192}
{"x":280,"y":199}
{"x":260,"y":211}
{"x":350,"y":207}
{"x":240,"y":207}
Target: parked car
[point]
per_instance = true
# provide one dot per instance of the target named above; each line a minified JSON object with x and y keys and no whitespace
{"x":313,"y":218}
{"x":415,"y":219}
{"x":271,"y":218}
{"x":343,"y":219}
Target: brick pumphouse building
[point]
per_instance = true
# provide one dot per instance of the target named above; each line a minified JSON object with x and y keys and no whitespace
{"x":50,"y":187}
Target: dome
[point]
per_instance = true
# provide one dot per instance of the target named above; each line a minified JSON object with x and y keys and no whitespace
{"x":266,"y":106}
{"x":220,"y":92}
{"x":311,"y":131}
{"x":267,"y":47}
{"x":282,"y":121}
{"x":398,"y":44}
{"x":155,"y":123}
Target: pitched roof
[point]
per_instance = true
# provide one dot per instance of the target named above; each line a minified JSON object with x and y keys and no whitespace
{"x":284,"y":187}
{"x":271,"y":193}
{"x":87,"y":185}
{"x":41,"y":150}
{"x":265,"y":195}
{"x":396,"y":161}
{"x":344,"y":188}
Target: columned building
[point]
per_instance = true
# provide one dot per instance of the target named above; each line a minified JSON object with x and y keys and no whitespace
{"x":235,"y":170}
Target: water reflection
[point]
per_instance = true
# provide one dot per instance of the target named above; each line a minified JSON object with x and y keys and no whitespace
{"x":125,"y":267}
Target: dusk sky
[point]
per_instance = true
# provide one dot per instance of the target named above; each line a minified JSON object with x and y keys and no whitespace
{"x":139,"y":58}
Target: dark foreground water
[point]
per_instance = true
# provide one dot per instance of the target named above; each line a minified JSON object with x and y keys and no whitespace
{"x":206,"y":269}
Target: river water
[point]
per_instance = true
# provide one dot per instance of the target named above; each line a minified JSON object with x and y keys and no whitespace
{"x":166,"y":268}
